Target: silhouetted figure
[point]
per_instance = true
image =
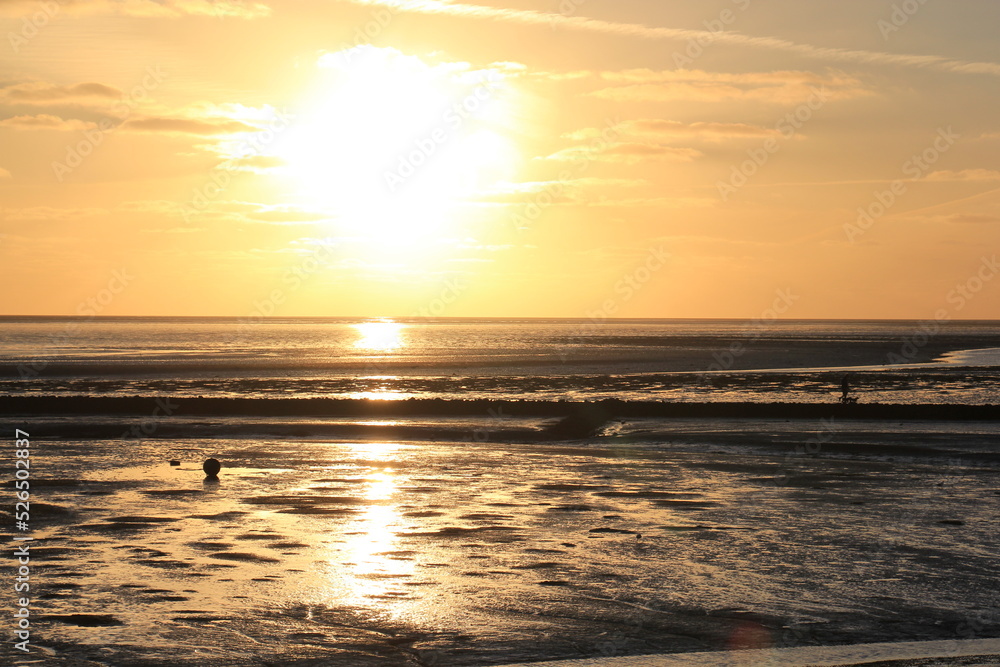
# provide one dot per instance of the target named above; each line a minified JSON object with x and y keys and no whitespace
{"x":211,"y":468}
{"x":845,"y":390}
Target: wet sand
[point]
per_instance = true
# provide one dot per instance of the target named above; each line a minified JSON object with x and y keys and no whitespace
{"x":898,"y":654}
{"x":377,"y":551}
{"x":25,"y":406}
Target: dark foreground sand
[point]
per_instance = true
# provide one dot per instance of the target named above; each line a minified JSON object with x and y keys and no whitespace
{"x":894,"y":654}
{"x":310,"y":550}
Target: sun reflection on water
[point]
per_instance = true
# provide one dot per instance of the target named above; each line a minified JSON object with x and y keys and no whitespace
{"x":377,"y":450}
{"x":371,"y":564}
{"x":380,"y":336}
{"x":385,"y":395}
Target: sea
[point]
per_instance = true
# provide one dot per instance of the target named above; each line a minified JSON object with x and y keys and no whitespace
{"x":480,"y":538}
{"x":897,"y":361}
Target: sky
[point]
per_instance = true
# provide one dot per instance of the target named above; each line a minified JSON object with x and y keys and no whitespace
{"x":500,"y":158}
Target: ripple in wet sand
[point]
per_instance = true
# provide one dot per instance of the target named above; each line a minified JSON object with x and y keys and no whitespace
{"x":571,"y":487}
{"x":287,"y":545}
{"x":211,"y":546}
{"x":570,"y":508}
{"x":85,"y":620}
{"x":173,"y":493}
{"x":243,"y":557}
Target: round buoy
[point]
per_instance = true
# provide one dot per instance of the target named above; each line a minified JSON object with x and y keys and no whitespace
{"x":211,"y":467}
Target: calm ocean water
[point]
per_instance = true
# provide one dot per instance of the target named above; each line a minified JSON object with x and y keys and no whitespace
{"x":678,"y":360}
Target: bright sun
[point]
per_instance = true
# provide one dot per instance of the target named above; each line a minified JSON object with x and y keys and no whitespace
{"x":392,"y":146}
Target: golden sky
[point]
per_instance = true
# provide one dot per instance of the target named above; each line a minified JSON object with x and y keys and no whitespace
{"x":508,"y":158}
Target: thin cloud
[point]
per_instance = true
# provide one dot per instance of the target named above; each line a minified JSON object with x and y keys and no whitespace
{"x":46,"y":122}
{"x":628,"y":152}
{"x":44,"y":93}
{"x":259,"y":164}
{"x":698,"y":130}
{"x":968,"y":219}
{"x":286,"y":215}
{"x":556,"y":192}
{"x":532,"y":17}
{"x":51,"y":214}
{"x":776,"y":78}
{"x":147,"y":8}
{"x":646,"y":136}
{"x":965,"y":175}
{"x":773,"y":87}
{"x":657,"y":202}
{"x":189,"y":126}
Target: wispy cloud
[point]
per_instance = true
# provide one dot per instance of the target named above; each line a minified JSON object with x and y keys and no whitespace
{"x":970,"y":219}
{"x":965,"y":175}
{"x":50,"y":214}
{"x":259,"y":164}
{"x":145,"y":8}
{"x":36,"y":93}
{"x":698,"y":130}
{"x":46,"y":122}
{"x":658,"y":130}
{"x":628,"y":152}
{"x":204,"y":127}
{"x":574,"y":191}
{"x":532,"y":17}
{"x":775,"y":78}
{"x":779,"y":87}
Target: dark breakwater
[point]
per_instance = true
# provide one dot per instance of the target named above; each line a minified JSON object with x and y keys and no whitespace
{"x":365,"y":408}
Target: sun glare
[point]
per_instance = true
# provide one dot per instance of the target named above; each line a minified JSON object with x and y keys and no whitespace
{"x":391,"y":145}
{"x":380,"y":336}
